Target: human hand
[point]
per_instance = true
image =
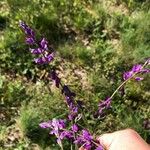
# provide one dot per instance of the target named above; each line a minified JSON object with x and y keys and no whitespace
{"x":127,"y":139}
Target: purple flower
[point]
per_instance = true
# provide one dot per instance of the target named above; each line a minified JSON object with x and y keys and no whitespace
{"x":137,"y":68}
{"x":127,"y":75}
{"x":28,"y":31}
{"x":30,"y":40}
{"x":23,"y":25}
{"x":85,"y":139}
{"x":73,"y":111}
{"x":45,"y":124}
{"x":45,"y":59}
{"x":74,"y":128}
{"x":56,"y":126}
{"x":44,"y":44}
{"x":36,"y":51}
{"x":66,"y":134}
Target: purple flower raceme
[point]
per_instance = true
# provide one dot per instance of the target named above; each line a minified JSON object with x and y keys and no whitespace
{"x":45,"y":56}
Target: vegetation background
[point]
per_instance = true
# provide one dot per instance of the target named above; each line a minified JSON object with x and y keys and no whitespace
{"x":96,"y":41}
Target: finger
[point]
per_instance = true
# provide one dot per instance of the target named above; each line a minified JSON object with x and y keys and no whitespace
{"x":106,"y":140}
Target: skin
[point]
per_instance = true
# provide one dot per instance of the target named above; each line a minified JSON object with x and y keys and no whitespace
{"x":127,"y":139}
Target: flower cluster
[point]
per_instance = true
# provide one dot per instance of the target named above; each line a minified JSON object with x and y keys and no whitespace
{"x":58,"y":127}
{"x":86,"y":140}
{"x":136,"y":69}
{"x":41,"y":47}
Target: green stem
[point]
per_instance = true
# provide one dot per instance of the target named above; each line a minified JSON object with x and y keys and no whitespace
{"x":61,"y":146}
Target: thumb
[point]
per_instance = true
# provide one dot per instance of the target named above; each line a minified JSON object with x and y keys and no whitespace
{"x":106,"y":140}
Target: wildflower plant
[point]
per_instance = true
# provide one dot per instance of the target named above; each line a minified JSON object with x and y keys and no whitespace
{"x":70,"y":128}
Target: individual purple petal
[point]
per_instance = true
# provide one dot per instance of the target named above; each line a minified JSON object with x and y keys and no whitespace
{"x":30,"y":40}
{"x":74,"y":128}
{"x":138,"y":78}
{"x":137,"y":68}
{"x":45,"y":124}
